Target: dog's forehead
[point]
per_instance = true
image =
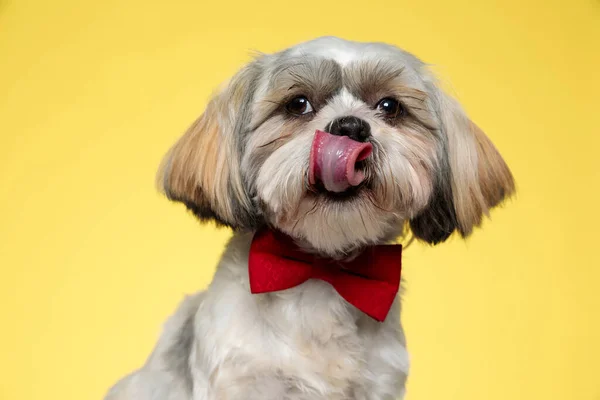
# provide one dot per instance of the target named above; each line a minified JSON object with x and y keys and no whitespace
{"x":341,"y":51}
{"x":345,"y":52}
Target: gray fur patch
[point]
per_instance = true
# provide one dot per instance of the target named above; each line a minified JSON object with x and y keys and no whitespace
{"x":178,"y":354}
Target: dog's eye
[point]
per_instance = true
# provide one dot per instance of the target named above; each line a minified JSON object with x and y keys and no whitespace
{"x":299,"y":106}
{"x":390,"y":108}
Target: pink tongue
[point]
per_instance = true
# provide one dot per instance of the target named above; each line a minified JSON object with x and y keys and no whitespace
{"x":333,"y":161}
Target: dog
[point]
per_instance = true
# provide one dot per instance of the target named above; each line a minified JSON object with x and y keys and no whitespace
{"x":328,"y":151}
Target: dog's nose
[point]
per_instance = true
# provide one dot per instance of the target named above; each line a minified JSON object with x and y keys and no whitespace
{"x":353,"y":127}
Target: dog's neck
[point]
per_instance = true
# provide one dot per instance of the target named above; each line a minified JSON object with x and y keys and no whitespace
{"x":345,"y":255}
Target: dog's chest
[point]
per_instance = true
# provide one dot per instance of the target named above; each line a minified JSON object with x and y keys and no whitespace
{"x":304,"y":343}
{"x":327,"y":354}
{"x":323,"y":345}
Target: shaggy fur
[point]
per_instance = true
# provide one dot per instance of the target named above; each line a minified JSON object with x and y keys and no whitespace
{"x":244,"y":164}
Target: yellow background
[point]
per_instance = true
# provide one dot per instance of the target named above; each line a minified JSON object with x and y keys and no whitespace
{"x":92,"y":93}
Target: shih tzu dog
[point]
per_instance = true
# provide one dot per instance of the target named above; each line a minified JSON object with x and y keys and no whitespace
{"x":318,"y":157}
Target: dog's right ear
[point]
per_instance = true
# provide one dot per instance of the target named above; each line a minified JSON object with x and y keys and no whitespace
{"x":202,"y":170}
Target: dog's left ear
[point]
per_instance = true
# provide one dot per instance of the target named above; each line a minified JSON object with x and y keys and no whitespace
{"x":202,"y":170}
{"x":473,"y":177}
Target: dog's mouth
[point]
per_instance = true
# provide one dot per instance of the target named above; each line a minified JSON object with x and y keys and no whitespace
{"x":319,"y":191}
{"x":337,"y":165}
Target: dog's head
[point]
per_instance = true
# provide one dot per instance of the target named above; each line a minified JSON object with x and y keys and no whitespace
{"x":340,"y":144}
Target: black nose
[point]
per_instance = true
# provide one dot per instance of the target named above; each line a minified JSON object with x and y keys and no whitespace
{"x":354,"y":128}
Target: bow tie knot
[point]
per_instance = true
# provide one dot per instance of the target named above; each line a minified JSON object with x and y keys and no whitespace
{"x":370,"y":282}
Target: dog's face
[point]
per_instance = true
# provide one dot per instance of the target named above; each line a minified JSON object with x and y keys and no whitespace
{"x":340,"y":144}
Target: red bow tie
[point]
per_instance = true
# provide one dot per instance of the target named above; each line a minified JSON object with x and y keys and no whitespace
{"x":370,"y":282}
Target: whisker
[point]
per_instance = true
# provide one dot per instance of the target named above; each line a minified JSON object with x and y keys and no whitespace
{"x":362,"y":219}
{"x":273,"y":141}
{"x":313,"y":209}
{"x":370,"y":198}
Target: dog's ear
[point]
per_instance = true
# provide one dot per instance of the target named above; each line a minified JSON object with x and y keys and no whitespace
{"x":473,"y":178}
{"x":202,"y":169}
